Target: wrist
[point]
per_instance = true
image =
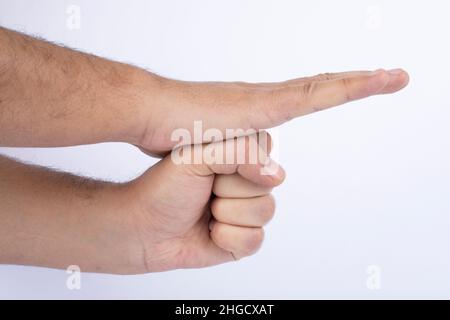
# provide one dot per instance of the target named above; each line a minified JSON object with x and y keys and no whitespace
{"x":127,"y":239}
{"x":110,"y":239}
{"x":147,"y":94}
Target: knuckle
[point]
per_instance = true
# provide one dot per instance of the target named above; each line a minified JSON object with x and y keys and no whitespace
{"x":324,"y":76}
{"x":307,"y":90}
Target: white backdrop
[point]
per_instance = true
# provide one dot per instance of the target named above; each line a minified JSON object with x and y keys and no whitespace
{"x":368,"y":183}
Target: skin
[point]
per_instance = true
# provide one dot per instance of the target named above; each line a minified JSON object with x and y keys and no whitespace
{"x":173,"y":216}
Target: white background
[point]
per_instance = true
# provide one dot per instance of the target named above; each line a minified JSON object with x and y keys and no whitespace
{"x":368,"y":183}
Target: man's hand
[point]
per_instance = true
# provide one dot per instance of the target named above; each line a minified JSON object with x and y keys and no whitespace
{"x":200,"y":215}
{"x":54,"y":96}
{"x":173,"y":216}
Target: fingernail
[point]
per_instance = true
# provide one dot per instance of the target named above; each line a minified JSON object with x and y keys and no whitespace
{"x":395,"y":72}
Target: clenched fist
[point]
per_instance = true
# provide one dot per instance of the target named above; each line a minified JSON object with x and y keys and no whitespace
{"x":199,"y":215}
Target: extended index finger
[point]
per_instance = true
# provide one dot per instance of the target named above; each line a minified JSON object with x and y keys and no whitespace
{"x":303,"y":96}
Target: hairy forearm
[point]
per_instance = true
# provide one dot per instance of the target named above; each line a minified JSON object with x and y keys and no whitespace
{"x":54,"y":96}
{"x":56,"y":220}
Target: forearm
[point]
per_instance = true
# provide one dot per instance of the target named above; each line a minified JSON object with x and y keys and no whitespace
{"x":54,"y":96}
{"x":56,"y":220}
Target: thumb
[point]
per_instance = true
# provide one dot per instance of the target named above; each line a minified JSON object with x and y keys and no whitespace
{"x":246,"y":156}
